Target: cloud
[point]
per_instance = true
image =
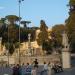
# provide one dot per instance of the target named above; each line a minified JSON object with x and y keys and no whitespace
{"x":1,"y":7}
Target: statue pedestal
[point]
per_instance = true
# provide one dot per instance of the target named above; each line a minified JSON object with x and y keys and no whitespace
{"x":66,"y":62}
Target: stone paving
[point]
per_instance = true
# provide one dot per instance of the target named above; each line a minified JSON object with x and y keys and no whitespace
{"x":65,"y":72}
{"x":8,"y":70}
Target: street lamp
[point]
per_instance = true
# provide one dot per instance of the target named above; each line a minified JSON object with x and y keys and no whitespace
{"x":19,"y":1}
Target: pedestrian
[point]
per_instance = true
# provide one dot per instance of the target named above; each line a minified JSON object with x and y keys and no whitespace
{"x":45,"y":66}
{"x":35,"y":63}
{"x":45,"y":69}
{"x":16,"y":70}
{"x":49,"y":69}
{"x":34,"y":71}
{"x":28,"y":69}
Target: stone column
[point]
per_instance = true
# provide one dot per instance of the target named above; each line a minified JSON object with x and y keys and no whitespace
{"x":66,"y":57}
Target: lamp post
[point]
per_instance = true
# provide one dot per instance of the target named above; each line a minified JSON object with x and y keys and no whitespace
{"x":19,"y":1}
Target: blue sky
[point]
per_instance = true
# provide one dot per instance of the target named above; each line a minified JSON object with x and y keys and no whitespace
{"x":51,"y":11}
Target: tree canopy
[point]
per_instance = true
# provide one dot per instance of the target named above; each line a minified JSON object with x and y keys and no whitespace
{"x":43,"y":35}
{"x":72,"y":2}
{"x":70,"y":25}
{"x":56,"y":35}
{"x":11,"y":31}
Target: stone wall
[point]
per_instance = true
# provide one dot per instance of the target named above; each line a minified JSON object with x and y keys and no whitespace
{"x":41,"y":59}
{"x":30,"y":59}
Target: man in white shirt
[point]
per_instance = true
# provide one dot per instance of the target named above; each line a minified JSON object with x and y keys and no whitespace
{"x":45,"y":69}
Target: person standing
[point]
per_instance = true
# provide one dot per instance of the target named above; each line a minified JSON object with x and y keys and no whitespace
{"x":35,"y":63}
{"x":16,"y":70}
{"x":28,"y":69}
{"x":49,"y":69}
{"x":34,"y":71}
{"x":45,"y":69}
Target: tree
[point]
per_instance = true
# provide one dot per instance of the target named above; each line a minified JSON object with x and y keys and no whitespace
{"x":12,"y":29}
{"x":70,"y":25}
{"x":72,"y":5}
{"x":25,"y":32}
{"x":25,"y":23}
{"x":47,"y":45}
{"x":72,"y":2}
{"x":2,"y":26}
{"x":12,"y":18}
{"x":56,"y":35}
{"x":2,"y":21}
{"x":43,"y":35}
{"x":10,"y":47}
